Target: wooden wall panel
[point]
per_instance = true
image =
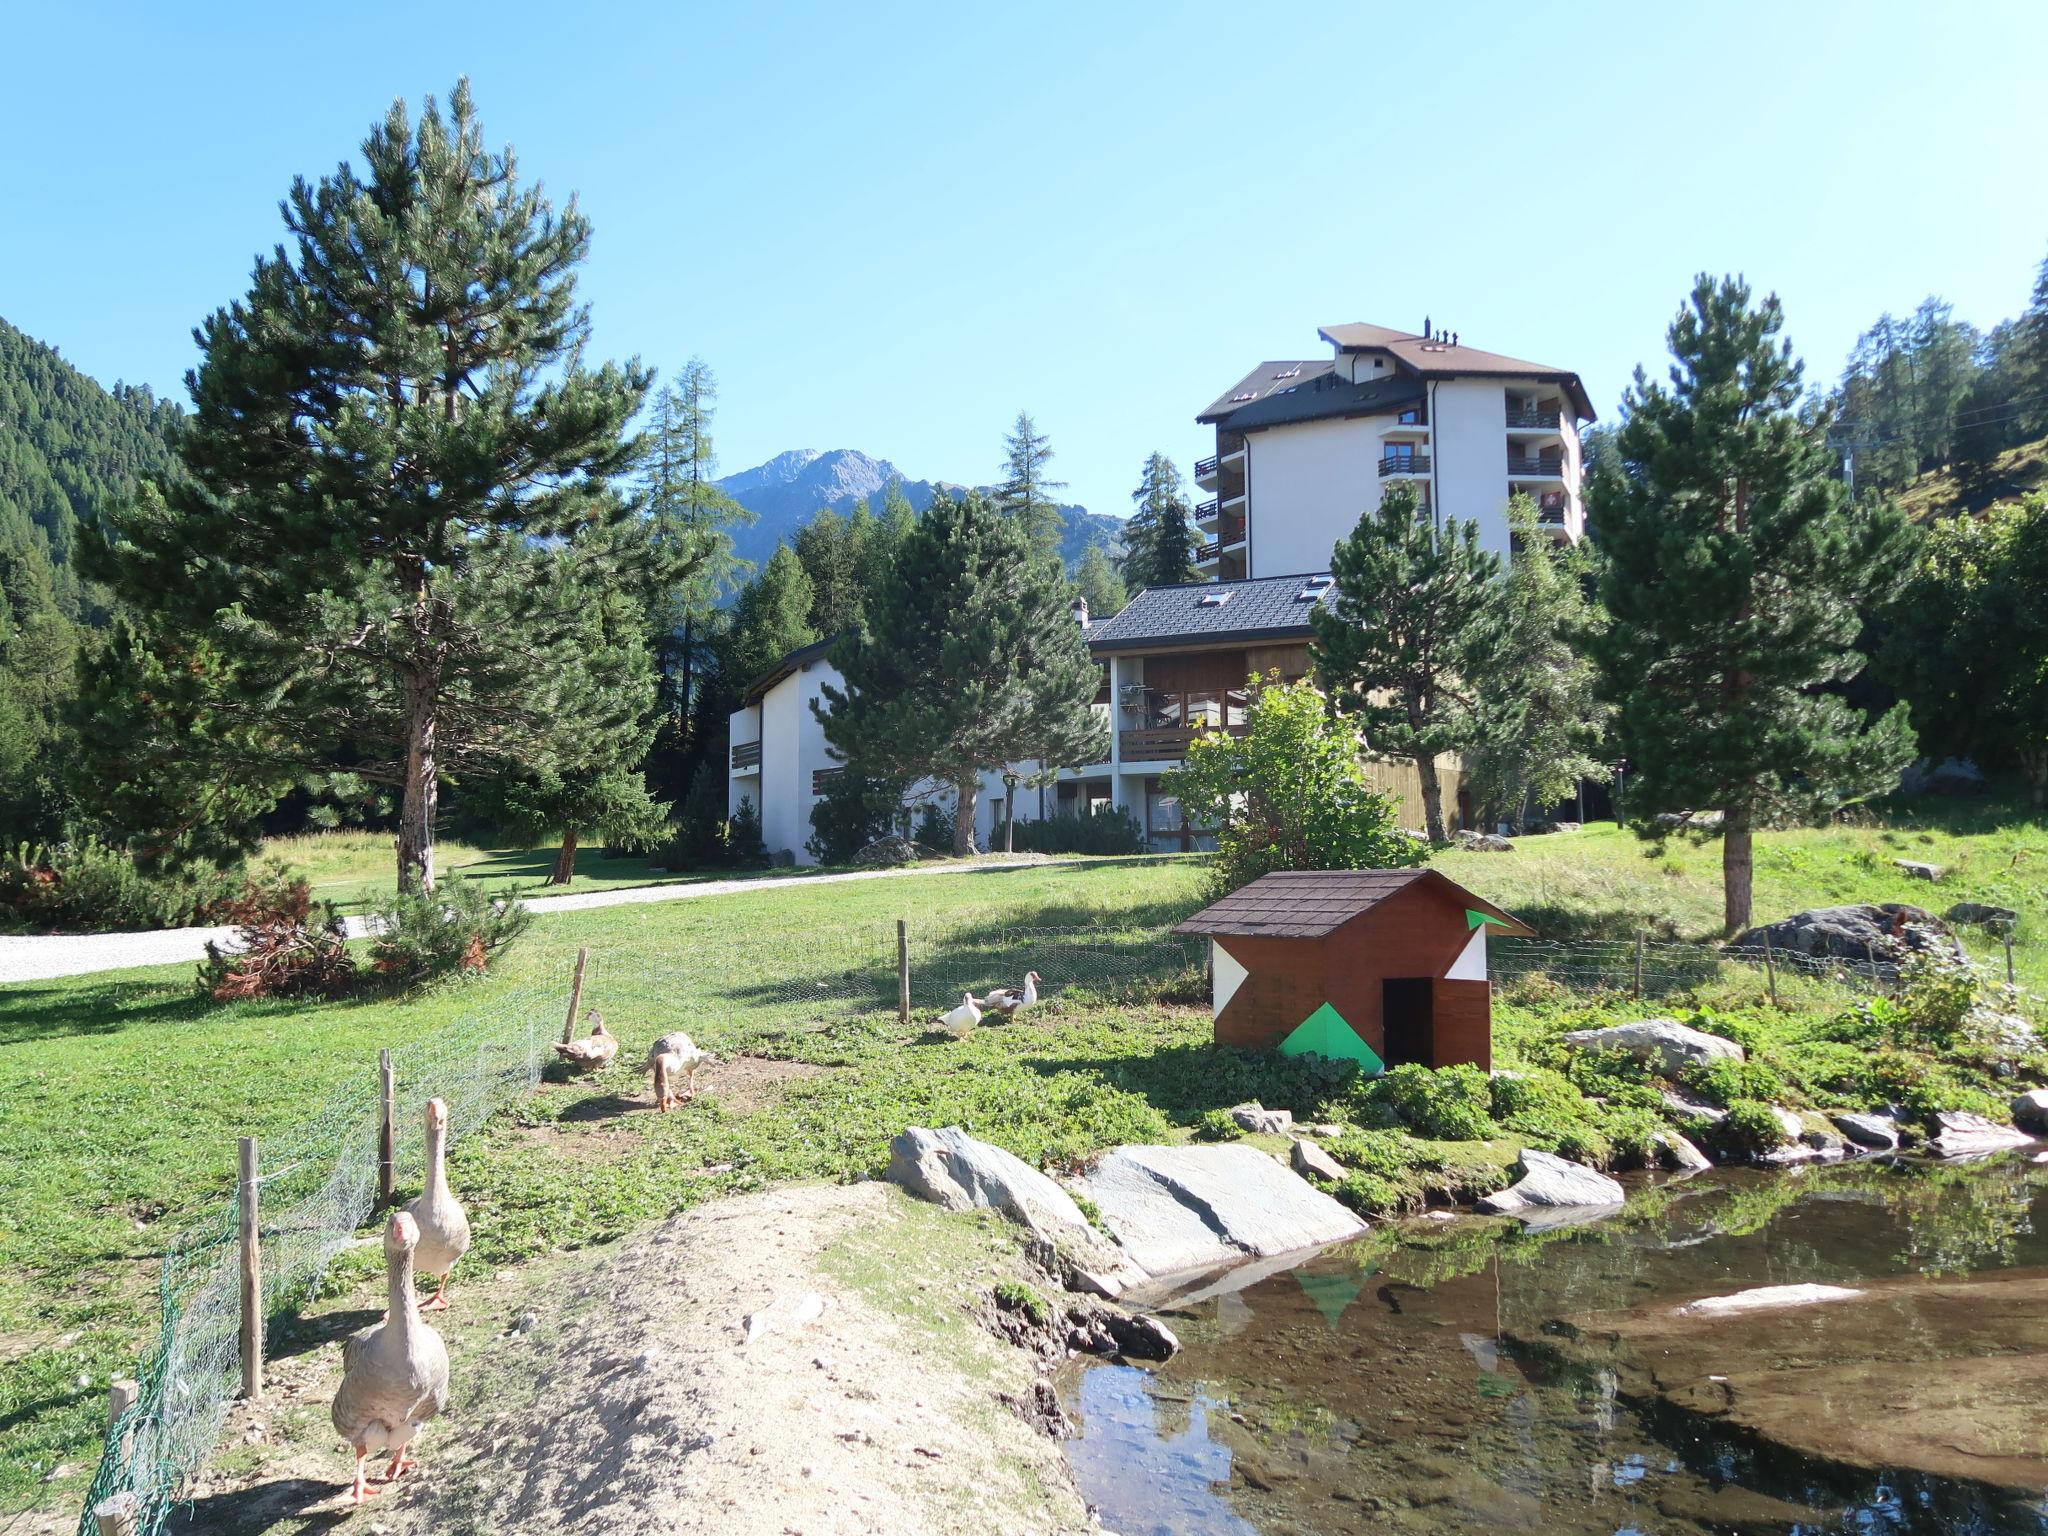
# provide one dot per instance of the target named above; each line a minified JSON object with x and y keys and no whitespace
{"x":1283,"y":985}
{"x":1195,"y":672}
{"x":1464,"y":1023}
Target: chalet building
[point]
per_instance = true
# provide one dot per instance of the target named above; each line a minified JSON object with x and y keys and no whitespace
{"x":1304,"y":447}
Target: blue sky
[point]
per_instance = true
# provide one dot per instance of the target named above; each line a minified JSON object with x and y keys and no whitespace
{"x":891,"y":226}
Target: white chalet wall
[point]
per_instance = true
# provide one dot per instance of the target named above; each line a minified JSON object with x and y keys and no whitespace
{"x":1308,"y":485}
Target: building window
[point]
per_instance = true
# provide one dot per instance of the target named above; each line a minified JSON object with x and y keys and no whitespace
{"x":1412,"y":417}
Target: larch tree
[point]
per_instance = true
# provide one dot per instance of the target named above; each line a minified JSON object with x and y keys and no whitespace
{"x":1735,"y":568}
{"x":1160,"y":539}
{"x":1026,"y":492}
{"x":1408,"y":629}
{"x":396,"y":438}
{"x":970,"y":660}
{"x":1096,"y":579}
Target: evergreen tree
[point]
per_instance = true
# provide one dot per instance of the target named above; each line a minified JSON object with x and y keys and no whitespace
{"x":1407,"y":630}
{"x":1160,"y":538}
{"x":770,"y":618}
{"x":1734,"y":570}
{"x":1096,"y":579}
{"x":1026,"y":493}
{"x":38,"y":653}
{"x":970,"y":660}
{"x":1540,"y":720}
{"x":838,"y":551}
{"x":395,"y":443}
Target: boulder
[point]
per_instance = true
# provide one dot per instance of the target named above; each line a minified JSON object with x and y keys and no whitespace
{"x":1139,"y":1336}
{"x":1480,"y":842}
{"x":1767,"y":1298}
{"x":1681,"y":820}
{"x":1549,"y":1180}
{"x":1259,"y":1119}
{"x":1664,"y":1043}
{"x":1916,"y":869}
{"x":1950,"y":776}
{"x":2030,"y":1111}
{"x":1962,"y":1134}
{"x":952,"y":1169}
{"x":891,"y":850}
{"x":1692,"y":1109}
{"x":1681,"y":1154}
{"x":1880,"y":1133}
{"x":1181,"y":1208}
{"x":1883,"y":931}
{"x":782,"y":858}
{"x":1790,"y":1123}
{"x":1308,"y":1158}
{"x":1981,"y":915}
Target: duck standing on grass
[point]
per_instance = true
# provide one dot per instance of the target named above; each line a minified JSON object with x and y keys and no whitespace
{"x":1011,"y":1001}
{"x":394,"y":1374}
{"x":443,"y":1224}
{"x":675,"y":1055}
{"x":958,"y":1022}
{"x":594,"y":1050}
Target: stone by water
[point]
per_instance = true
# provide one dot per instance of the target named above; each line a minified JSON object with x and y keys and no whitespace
{"x":1475,"y":1376}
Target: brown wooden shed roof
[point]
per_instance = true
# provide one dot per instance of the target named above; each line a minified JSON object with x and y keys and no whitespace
{"x":1312,"y":903}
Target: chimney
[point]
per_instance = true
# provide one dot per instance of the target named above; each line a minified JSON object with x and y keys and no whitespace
{"x":1425,"y":327}
{"x":1079,"y":609}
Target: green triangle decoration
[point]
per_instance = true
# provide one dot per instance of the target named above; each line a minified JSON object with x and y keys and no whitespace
{"x":1325,"y":1033}
{"x":1474,"y":919}
{"x":1331,"y":1293}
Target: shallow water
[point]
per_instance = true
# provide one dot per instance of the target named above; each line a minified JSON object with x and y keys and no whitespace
{"x":1473,"y":1376}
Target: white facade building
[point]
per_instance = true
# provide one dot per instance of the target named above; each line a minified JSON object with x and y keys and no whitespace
{"x":1304,"y":448}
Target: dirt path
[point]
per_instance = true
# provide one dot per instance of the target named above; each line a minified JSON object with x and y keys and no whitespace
{"x":41,"y":957}
{"x":618,"y":1392}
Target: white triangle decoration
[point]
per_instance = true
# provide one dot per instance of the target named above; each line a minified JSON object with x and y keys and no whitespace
{"x":1229,"y":976}
{"x":1471,"y":964}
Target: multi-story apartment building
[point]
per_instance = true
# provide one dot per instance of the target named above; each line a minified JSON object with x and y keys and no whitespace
{"x":1304,"y":447}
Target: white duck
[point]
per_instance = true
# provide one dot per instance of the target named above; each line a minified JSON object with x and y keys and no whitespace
{"x":394,"y":1374}
{"x":961,"y":1019}
{"x":443,"y":1224}
{"x":675,"y":1055}
{"x":1011,"y":1001}
{"x":594,"y":1050}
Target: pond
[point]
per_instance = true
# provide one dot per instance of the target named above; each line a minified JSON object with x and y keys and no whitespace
{"x":1479,"y":1376}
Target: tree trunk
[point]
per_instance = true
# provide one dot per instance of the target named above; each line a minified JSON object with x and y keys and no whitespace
{"x":565,"y":860}
{"x":1432,"y":796}
{"x":968,"y":801}
{"x":1735,"y":869}
{"x":417,"y":811}
{"x":2034,"y":764}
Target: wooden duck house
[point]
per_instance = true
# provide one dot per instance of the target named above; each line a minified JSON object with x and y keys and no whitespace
{"x":1379,"y":966}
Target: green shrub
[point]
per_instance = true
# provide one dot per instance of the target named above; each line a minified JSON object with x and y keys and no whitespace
{"x":1016,"y":1296}
{"x":853,"y":810}
{"x":1113,"y":830}
{"x":1217,"y":1125}
{"x":1723,"y":1081}
{"x":452,"y":930}
{"x":1537,"y":1095}
{"x":1444,"y":1103}
{"x":1936,"y":993}
{"x":1370,"y":1194}
{"x":1752,"y":1126}
{"x":88,"y":887}
{"x":1384,"y":1153}
{"x":1631,"y":1132}
{"x":1188,"y":1081}
{"x":934,"y":828}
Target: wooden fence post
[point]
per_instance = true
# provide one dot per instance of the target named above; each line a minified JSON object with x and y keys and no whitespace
{"x":575,"y":994}
{"x":117,"y":1514}
{"x":1770,"y":967}
{"x":2005,"y":932}
{"x":387,"y":1130}
{"x":252,"y":1273}
{"x":1639,"y":965}
{"x":902,"y":971}
{"x":121,"y":1396}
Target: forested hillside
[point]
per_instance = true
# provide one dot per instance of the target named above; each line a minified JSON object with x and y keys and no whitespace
{"x":67,"y":449}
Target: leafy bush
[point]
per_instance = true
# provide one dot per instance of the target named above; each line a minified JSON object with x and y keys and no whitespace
{"x":88,"y":887}
{"x":1114,"y":830}
{"x":1443,"y":1103}
{"x":1370,"y":1194}
{"x":1752,"y":1126}
{"x":289,"y":946}
{"x":1937,"y":990}
{"x":1016,"y":1296}
{"x":852,"y":812}
{"x":1631,"y":1132}
{"x":1217,"y":1125}
{"x":1385,"y":1153}
{"x":452,"y":930}
{"x":935,"y":827}
{"x":1723,"y":1081}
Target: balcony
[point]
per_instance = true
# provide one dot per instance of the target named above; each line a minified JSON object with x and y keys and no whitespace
{"x":1523,"y":466}
{"x":1206,"y":468}
{"x":1404,"y":464}
{"x":1535,"y":418}
{"x":1205,"y":512}
{"x":746,"y":757}
{"x":820,"y":777}
{"x":1163,"y":744}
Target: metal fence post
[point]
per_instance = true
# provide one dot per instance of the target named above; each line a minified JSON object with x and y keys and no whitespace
{"x":575,"y":994}
{"x":1639,"y":965}
{"x":252,"y":1273}
{"x":1770,"y":967}
{"x":2005,"y":933}
{"x":902,"y":971}
{"x":387,"y":1131}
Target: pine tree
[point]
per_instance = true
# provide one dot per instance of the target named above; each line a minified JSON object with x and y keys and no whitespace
{"x":395,"y":441}
{"x":970,"y":661}
{"x":838,"y":552}
{"x":38,"y":653}
{"x":771,"y":618}
{"x":1409,"y":627}
{"x":1160,"y":538}
{"x":1096,"y":579}
{"x":1540,"y":720}
{"x":1734,"y":570}
{"x":1026,"y":494}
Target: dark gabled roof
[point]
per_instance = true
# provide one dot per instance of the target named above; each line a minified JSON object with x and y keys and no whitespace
{"x":1440,"y":360}
{"x":1313,"y":903}
{"x":796,"y":659}
{"x":1267,"y":608}
{"x":1269,"y":378}
{"x":1331,"y":395}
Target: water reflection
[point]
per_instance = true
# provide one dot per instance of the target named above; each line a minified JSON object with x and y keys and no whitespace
{"x":1478,"y":1376}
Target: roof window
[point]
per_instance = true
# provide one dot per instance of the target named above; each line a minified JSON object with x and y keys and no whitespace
{"x":1244,"y":394}
{"x":1289,"y":373}
{"x":1213,"y":599}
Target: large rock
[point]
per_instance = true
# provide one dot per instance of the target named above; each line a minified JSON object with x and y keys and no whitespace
{"x":952,"y":1169}
{"x":1881,"y":931}
{"x":1481,"y":842}
{"x":1980,"y":914}
{"x":2030,"y":1111}
{"x":1880,"y":1133}
{"x":1307,"y":1158}
{"x":1766,"y":1298}
{"x":891,"y":850}
{"x":1692,"y":1109}
{"x":1549,"y":1180}
{"x":1681,"y":1154}
{"x":1260,"y":1120}
{"x":1918,"y":869}
{"x":1183,"y":1208}
{"x":1962,"y":1134}
{"x":1665,"y":1044}
{"x":1950,"y":776}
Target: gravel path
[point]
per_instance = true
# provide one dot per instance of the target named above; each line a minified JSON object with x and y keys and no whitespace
{"x":40,"y":957}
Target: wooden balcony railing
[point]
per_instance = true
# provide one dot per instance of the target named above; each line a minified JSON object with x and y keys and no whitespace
{"x":1537,"y":468}
{"x":1206,"y":466}
{"x":1404,"y":464}
{"x":1206,"y":510}
{"x":746,"y":754}
{"x":1550,"y":508}
{"x":1545,"y":418}
{"x":820,"y":777}
{"x":1163,"y":744}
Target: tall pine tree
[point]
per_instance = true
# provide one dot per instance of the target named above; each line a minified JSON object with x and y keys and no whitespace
{"x":396,"y":438}
{"x":771,"y":618}
{"x":1159,"y":539}
{"x":970,"y":661}
{"x":1735,"y":568}
{"x":1026,"y":492}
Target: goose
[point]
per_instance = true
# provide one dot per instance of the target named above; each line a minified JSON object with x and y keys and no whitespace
{"x":963,"y":1018}
{"x":1011,"y":1001}
{"x":443,"y":1224}
{"x":593,"y":1051}
{"x":676,"y":1054}
{"x":394,"y":1374}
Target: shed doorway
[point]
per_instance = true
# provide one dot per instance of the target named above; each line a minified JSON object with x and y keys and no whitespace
{"x":1408,"y":1020}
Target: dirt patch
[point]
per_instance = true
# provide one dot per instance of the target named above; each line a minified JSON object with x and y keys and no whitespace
{"x":744,"y":1084}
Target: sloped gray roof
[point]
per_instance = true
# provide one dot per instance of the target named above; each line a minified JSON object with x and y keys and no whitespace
{"x":1269,"y":378}
{"x":1267,"y":608}
{"x":1328,"y":396}
{"x":1310,"y":903}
